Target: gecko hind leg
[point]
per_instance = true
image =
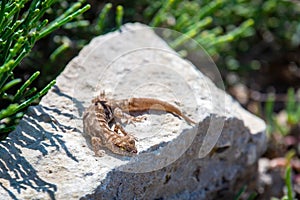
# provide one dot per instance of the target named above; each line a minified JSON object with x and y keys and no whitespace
{"x":119,"y":128}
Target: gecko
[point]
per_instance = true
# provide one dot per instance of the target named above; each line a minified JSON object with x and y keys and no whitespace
{"x":99,"y":122}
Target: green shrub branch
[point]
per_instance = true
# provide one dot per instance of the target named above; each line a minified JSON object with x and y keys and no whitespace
{"x":20,"y":29}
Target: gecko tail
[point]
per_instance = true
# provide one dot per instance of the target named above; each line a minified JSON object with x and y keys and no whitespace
{"x":188,"y":120}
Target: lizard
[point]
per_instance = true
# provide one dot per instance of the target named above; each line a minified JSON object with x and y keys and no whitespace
{"x":99,"y":117}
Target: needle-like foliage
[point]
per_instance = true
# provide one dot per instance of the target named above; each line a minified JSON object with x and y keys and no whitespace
{"x":21,"y":26}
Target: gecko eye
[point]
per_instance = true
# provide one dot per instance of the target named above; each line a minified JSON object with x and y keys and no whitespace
{"x":131,"y":142}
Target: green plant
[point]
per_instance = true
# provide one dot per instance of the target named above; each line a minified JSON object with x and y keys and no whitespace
{"x":292,"y":111}
{"x":66,"y":42}
{"x":196,"y":20}
{"x":242,"y":192}
{"x":269,"y":113}
{"x":220,"y":26}
{"x":288,"y":178}
{"x":288,"y":183}
{"x":292,"y":108}
{"x":21,"y":26}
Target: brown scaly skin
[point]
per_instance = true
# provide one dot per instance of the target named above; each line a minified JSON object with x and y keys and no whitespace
{"x":102,"y":112}
{"x":96,"y":123}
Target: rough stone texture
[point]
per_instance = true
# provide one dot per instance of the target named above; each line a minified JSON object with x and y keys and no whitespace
{"x":49,"y":157}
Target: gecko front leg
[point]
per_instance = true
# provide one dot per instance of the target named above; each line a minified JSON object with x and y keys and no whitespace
{"x":97,"y":144}
{"x":120,"y":130}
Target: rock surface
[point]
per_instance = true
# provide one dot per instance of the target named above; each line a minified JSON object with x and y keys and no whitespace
{"x":49,"y":156}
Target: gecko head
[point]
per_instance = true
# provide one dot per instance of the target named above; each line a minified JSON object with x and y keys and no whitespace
{"x":128,"y":146}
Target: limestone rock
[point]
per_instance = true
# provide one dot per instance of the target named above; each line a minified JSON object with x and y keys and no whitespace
{"x":49,"y":156}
